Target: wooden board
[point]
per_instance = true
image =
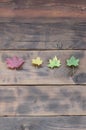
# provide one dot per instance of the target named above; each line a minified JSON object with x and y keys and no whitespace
{"x":31,"y":9}
{"x":42,"y":3}
{"x":42,"y":100}
{"x":43,"y":75}
{"x":45,"y":28}
{"x":41,"y":123}
{"x":41,"y":13}
{"x":56,"y":34}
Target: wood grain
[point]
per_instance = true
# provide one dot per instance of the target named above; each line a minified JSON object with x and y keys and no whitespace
{"x":58,"y":34}
{"x":27,"y":9}
{"x":42,"y":3}
{"x":41,"y":13}
{"x":42,"y":100}
{"x":5,"y":1}
{"x":49,"y":27}
{"x":43,"y":75}
{"x":41,"y":123}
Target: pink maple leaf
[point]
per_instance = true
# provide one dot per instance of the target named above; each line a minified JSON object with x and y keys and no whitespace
{"x":14,"y":62}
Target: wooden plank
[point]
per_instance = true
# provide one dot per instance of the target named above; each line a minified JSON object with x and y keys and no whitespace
{"x":58,"y":34}
{"x":25,"y":10}
{"x":42,"y":100}
{"x":43,"y":75}
{"x":41,"y":123}
{"x":43,"y":8}
{"x":5,"y":1}
{"x":43,"y":3}
{"x":41,"y":13}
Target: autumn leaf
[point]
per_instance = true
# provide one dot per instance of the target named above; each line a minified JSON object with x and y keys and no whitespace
{"x":14,"y":62}
{"x":72,"y":62}
{"x":55,"y":62}
{"x":37,"y":61}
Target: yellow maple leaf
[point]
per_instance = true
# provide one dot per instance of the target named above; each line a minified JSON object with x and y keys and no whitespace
{"x":37,"y":61}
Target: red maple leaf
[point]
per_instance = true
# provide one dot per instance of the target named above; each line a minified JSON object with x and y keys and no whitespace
{"x":14,"y":62}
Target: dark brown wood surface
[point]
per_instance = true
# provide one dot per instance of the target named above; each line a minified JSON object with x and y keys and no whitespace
{"x":43,"y":8}
{"x":56,"y":34}
{"x":43,"y":123}
{"x":29,"y":74}
{"x":42,"y":98}
{"x":12,"y":10}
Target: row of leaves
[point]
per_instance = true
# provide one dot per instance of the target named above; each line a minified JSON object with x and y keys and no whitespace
{"x":16,"y":62}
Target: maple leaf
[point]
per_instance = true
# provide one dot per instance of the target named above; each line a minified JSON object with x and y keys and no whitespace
{"x":55,"y":62}
{"x":37,"y":61}
{"x":72,"y":61}
{"x":14,"y":62}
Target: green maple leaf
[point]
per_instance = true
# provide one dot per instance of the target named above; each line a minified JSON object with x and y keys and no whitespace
{"x":55,"y":62}
{"x":72,"y":62}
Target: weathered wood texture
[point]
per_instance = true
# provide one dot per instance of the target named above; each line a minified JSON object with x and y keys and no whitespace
{"x":42,"y":100}
{"x":58,"y":34}
{"x":42,"y":3}
{"x":56,"y":123}
{"x":42,"y":9}
{"x":47,"y":27}
{"x":43,"y":75}
{"x":41,"y":13}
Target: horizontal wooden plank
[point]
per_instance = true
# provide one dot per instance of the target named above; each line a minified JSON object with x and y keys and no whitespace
{"x":5,"y":1}
{"x":43,"y":75}
{"x":58,"y":34}
{"x":42,"y":3}
{"x":41,"y":13}
{"x":41,"y":123}
{"x":42,"y":100}
{"x":25,"y":10}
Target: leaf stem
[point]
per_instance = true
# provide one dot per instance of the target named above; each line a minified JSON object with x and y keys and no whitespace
{"x":73,"y":70}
